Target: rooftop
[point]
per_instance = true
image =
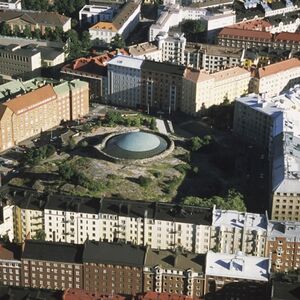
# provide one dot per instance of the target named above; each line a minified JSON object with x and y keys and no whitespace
{"x":258,"y":24}
{"x":278,"y":67}
{"x":287,"y":229}
{"x":29,"y":199}
{"x":142,"y":49}
{"x":50,"y":251}
{"x":34,"y":17}
{"x":78,"y":294}
{"x":244,"y":33}
{"x":126,"y":62}
{"x":215,"y":50}
{"x":239,"y":220}
{"x":170,"y":260}
{"x":237,"y":266}
{"x":113,"y":253}
{"x":163,"y":67}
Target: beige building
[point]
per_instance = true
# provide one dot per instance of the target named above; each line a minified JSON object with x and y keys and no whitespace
{"x":27,"y":114}
{"x":233,"y":231}
{"x":275,"y":78}
{"x":202,"y":90}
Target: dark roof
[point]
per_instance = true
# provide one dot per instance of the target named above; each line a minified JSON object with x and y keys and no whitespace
{"x":10,"y":251}
{"x":14,"y":293}
{"x":34,"y":17}
{"x":163,"y":67}
{"x":30,"y":199}
{"x":286,"y":286}
{"x":113,"y":253}
{"x":50,"y":251}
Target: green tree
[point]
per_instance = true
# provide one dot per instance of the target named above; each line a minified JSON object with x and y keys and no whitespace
{"x":196,"y":143}
{"x":37,"y":34}
{"x":40,"y":235}
{"x":232,"y":201}
{"x":74,"y":45}
{"x":27,"y":32}
{"x":118,"y":42}
{"x":113,"y":117}
{"x":16,"y":30}
{"x":86,"y":40}
{"x":66,"y":171}
{"x":48,"y":32}
{"x":5,"y":29}
{"x":153,"y":124}
{"x":144,"y":181}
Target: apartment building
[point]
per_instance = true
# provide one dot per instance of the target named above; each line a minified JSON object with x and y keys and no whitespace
{"x":18,"y":62}
{"x":124,"y":81}
{"x":92,"y":14}
{"x":212,"y":58}
{"x":102,"y":33}
{"x":35,"y":20}
{"x":173,"y":15}
{"x":232,"y":270}
{"x":27,"y":114}
{"x":276,"y":78}
{"x":74,"y":219}
{"x":51,"y":265}
{"x":92,"y":70}
{"x":11,"y":4}
{"x":245,"y":38}
{"x":172,"y":47}
{"x":283,"y":245}
{"x":201,"y":89}
{"x":52,"y":53}
{"x":161,"y":86}
{"x":113,"y":268}
{"x":145,"y":50}
{"x":272,"y":125}
{"x":10,"y":264}
{"x":233,"y":231}
{"x":179,"y":273}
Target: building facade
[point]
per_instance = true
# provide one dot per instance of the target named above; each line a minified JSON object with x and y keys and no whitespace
{"x":161,"y":86}
{"x":283,"y":245}
{"x":102,"y":33}
{"x":124,"y":81}
{"x":202,"y":90}
{"x":233,"y":231}
{"x":179,"y":273}
{"x":92,"y":14}
{"x":27,"y":114}
{"x":276,"y":78}
{"x":11,"y":4}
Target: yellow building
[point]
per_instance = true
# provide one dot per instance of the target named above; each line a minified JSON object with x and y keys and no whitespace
{"x":202,"y":90}
{"x":38,"y":110}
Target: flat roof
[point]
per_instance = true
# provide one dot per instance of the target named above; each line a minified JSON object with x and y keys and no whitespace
{"x":239,"y":220}
{"x":126,"y":62}
{"x":285,"y":229}
{"x":163,"y":67}
{"x":237,"y":266}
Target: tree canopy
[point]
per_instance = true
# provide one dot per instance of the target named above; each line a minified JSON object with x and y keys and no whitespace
{"x":118,"y":42}
{"x":232,"y":201}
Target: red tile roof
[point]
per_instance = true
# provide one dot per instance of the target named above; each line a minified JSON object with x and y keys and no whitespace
{"x":78,"y":294}
{"x":164,"y":296}
{"x":237,"y":32}
{"x":278,"y":67}
{"x":288,"y":36}
{"x":259,"y":25}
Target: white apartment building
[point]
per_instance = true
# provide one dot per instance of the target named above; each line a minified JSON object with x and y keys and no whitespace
{"x":233,"y":231}
{"x":124,"y":81}
{"x":145,"y":51}
{"x":73,"y":220}
{"x":11,"y":4}
{"x":95,"y":13}
{"x":172,"y":47}
{"x":173,"y":15}
{"x":276,"y":78}
{"x":201,"y":89}
{"x":123,"y":24}
{"x":7,"y":223}
{"x":273,"y":125}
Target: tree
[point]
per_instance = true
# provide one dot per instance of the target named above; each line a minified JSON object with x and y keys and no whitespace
{"x":197,"y":143}
{"x":86,"y":40}
{"x":37,"y":34}
{"x":66,"y":171}
{"x":113,"y":117}
{"x":16,"y":30}
{"x":144,"y":181}
{"x":5,"y":29}
{"x":153,"y":124}
{"x":74,"y":45}
{"x":118,"y":42}
{"x":27,"y":32}
{"x":40,"y":235}
{"x":232,"y":201}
